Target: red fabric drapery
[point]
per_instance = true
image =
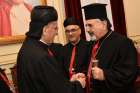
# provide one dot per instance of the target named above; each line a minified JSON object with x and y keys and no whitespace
{"x":118,"y":15}
{"x":73,"y":8}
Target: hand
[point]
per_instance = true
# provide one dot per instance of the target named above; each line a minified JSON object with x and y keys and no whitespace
{"x":82,"y":81}
{"x":76,"y":76}
{"x":98,"y":73}
{"x":79,"y":77}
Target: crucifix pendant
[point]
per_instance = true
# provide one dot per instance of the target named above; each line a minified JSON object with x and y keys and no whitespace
{"x":73,"y":71}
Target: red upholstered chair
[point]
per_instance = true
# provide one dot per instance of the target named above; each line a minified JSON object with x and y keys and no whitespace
{"x":5,"y":83}
{"x":14,"y":77}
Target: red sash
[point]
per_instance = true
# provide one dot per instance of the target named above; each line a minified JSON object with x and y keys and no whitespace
{"x":93,"y":56}
{"x":72,"y":61}
{"x":50,"y":52}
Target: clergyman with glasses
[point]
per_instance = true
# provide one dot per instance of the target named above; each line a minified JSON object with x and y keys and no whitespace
{"x":75,"y":52}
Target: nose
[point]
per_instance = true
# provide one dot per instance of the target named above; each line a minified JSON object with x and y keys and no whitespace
{"x":87,"y":28}
{"x":69,"y":33}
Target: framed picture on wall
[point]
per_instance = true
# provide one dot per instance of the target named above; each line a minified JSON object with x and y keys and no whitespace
{"x":15,"y":19}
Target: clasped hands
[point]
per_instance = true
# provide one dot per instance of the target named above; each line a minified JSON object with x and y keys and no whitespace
{"x":97,"y":74}
{"x":79,"y":77}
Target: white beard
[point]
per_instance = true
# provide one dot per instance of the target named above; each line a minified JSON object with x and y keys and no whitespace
{"x":93,"y":37}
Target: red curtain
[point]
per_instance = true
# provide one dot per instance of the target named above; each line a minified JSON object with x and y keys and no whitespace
{"x":118,"y":16}
{"x":73,"y":8}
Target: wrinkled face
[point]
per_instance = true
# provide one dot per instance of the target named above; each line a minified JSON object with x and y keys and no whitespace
{"x":73,"y":33}
{"x":96,"y":27}
{"x":49,"y":32}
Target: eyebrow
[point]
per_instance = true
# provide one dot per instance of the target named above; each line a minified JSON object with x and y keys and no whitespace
{"x":89,"y":25}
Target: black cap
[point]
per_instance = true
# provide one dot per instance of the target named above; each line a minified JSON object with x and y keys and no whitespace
{"x":41,"y":16}
{"x":95,"y":11}
{"x":71,"y":21}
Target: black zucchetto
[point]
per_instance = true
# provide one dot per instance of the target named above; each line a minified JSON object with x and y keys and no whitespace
{"x":71,"y":21}
{"x":95,"y":11}
{"x":41,"y":16}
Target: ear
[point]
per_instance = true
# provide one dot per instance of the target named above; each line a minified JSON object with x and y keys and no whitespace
{"x":105,"y":22}
{"x":80,"y":31}
{"x":44,"y":30}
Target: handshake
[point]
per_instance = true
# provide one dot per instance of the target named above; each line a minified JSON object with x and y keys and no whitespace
{"x":79,"y":77}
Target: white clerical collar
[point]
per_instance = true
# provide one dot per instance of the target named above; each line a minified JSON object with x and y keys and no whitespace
{"x":45,"y":42}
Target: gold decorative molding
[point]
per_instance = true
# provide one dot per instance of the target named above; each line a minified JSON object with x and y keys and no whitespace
{"x":11,"y":39}
{"x":43,"y":2}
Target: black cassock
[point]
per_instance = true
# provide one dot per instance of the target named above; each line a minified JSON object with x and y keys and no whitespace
{"x":56,"y":49}
{"x":81,"y":57}
{"x":117,"y":57}
{"x":38,"y":72}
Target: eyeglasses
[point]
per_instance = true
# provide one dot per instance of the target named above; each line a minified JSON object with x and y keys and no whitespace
{"x":72,"y":30}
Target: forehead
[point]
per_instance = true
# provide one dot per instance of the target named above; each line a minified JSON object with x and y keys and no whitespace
{"x":71,"y":26}
{"x":53,"y":23}
{"x":92,"y":21}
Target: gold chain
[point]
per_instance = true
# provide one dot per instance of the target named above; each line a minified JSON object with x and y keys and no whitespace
{"x":102,"y":43}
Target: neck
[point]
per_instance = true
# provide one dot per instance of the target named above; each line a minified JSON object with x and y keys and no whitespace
{"x":103,"y":35}
{"x":74,"y":43}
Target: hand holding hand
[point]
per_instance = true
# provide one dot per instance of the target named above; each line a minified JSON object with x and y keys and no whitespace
{"x":79,"y":77}
{"x":82,"y":81}
{"x":76,"y":76}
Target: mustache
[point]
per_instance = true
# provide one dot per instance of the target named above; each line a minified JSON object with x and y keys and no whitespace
{"x":91,"y":33}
